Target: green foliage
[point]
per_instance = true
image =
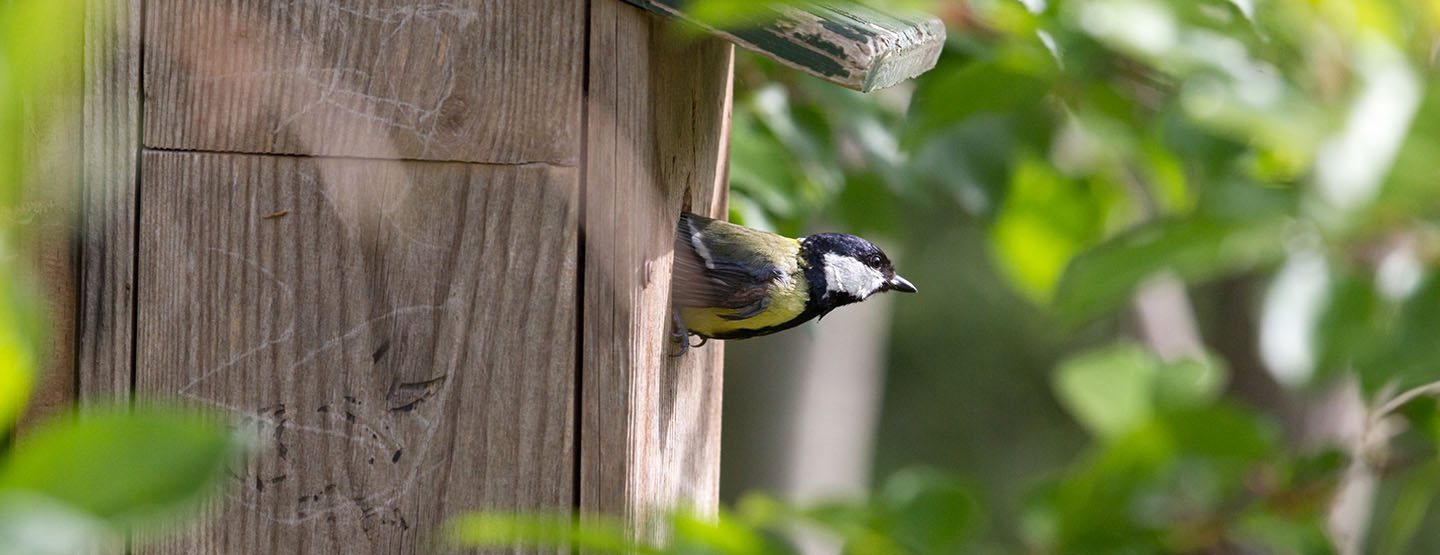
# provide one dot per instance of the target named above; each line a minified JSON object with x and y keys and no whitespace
{"x":916,"y":511}
{"x":1387,"y":342}
{"x":1285,"y":145}
{"x":1047,"y":222}
{"x":115,"y":464}
{"x":112,"y":470}
{"x":599,"y":534}
{"x":1175,"y":469}
{"x":1103,"y":278}
{"x":1108,"y":141}
{"x":1114,"y":390}
{"x":17,"y":351}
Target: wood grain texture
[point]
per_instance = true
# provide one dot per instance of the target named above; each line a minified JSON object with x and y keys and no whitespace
{"x":111,"y":150}
{"x":657,"y":122}
{"x":843,"y":43}
{"x":399,"y":337}
{"x":495,"y":81}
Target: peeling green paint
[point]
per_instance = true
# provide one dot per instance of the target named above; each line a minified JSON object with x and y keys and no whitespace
{"x":820,"y":43}
{"x":848,"y":31}
{"x":783,"y":47}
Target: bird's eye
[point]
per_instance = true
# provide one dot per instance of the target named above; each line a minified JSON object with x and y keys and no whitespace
{"x":873,"y":259}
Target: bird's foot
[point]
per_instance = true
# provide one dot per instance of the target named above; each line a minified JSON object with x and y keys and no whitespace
{"x":679,"y":334}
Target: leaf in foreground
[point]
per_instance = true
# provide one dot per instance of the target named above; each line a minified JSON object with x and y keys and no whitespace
{"x":122,"y":466}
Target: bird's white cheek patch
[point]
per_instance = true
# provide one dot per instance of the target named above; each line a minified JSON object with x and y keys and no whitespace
{"x":844,"y":274}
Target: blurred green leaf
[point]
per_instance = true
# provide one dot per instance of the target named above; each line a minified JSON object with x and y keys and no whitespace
{"x":1115,"y":389}
{"x":929,"y":512}
{"x":1385,"y":342}
{"x":722,"y":535}
{"x":1411,"y":189}
{"x":40,"y":54}
{"x":918,"y":511}
{"x":1045,"y":221}
{"x":839,"y":517}
{"x":1416,"y":493}
{"x":971,"y":162}
{"x":1195,"y":249}
{"x":17,"y":359}
{"x":1109,"y":391}
{"x":955,"y":93}
{"x":867,"y":207}
{"x":1221,"y":432}
{"x":1281,"y":533}
{"x":760,"y":169}
{"x":491,"y":529}
{"x":1169,"y":485}
{"x":122,"y":466}
{"x":1190,"y":382}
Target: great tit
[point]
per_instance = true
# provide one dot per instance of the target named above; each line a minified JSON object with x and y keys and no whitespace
{"x":733,"y":282}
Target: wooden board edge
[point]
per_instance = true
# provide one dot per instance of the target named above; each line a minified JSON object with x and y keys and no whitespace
{"x":657,"y":117}
{"x":110,"y":157}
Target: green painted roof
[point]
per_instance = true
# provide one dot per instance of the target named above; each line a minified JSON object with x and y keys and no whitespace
{"x":846,"y":44}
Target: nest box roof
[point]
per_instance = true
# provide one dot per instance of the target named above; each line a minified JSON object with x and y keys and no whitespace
{"x":846,"y":44}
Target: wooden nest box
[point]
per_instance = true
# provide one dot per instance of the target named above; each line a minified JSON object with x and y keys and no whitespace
{"x":419,"y":251}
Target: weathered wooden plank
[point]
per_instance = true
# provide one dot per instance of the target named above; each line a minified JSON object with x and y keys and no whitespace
{"x":45,"y":221}
{"x":846,"y":44}
{"x":111,"y":150}
{"x":494,"y":81}
{"x":53,"y":265}
{"x":399,"y":337}
{"x":657,"y":123}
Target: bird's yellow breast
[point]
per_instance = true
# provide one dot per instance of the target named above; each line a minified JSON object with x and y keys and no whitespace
{"x":787,"y":301}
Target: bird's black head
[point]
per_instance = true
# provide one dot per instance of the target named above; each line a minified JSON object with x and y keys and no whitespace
{"x":845,"y":269}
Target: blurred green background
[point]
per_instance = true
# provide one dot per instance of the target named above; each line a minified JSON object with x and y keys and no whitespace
{"x":1172,"y":255}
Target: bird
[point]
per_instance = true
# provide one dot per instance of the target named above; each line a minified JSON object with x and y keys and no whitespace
{"x":734,"y":282}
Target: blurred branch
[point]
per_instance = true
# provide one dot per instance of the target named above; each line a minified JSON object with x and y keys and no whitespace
{"x":1236,"y":338}
{"x":1340,"y":415}
{"x":1432,"y":388}
{"x":1353,"y":506}
{"x":1165,"y":320}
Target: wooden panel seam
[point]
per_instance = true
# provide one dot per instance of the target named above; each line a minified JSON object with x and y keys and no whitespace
{"x":110,"y":152}
{"x":516,"y":164}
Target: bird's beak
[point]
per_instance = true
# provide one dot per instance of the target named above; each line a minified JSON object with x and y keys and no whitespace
{"x":901,"y":284}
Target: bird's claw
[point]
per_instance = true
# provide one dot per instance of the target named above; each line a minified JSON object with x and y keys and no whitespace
{"x":679,"y":335}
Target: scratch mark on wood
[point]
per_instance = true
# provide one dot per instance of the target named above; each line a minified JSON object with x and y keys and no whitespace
{"x":344,"y":348}
{"x":404,"y":397}
{"x":380,"y":352}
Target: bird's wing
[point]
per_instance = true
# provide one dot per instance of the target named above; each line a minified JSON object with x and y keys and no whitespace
{"x":722,"y":265}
